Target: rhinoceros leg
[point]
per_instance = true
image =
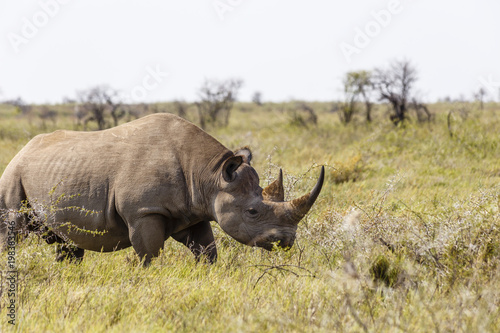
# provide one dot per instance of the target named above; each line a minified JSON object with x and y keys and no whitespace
{"x":10,"y":224}
{"x":11,"y":197}
{"x":147,"y":235}
{"x":69,"y":252}
{"x":199,"y":238}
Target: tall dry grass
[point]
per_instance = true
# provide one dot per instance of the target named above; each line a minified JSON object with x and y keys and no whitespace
{"x":404,"y":237}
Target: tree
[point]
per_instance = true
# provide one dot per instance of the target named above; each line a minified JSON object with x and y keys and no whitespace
{"x":216,"y":101}
{"x":348,"y":107}
{"x":395,"y":86}
{"x":94,"y":103}
{"x":420,"y":110}
{"x":357,"y":85}
{"x":257,"y":98}
{"x":303,"y":115}
{"x":47,"y":113}
{"x":479,"y":96}
{"x":362,"y":82}
{"x":21,"y":106}
{"x":180,"y":108}
{"x":114,"y":104}
{"x":68,"y":100}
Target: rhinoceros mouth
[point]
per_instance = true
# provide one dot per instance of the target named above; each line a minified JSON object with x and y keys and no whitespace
{"x":272,"y":242}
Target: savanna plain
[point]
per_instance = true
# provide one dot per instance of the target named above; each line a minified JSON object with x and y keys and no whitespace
{"x":405,"y":236}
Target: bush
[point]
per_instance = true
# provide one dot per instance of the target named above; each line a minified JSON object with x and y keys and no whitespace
{"x":349,"y":170}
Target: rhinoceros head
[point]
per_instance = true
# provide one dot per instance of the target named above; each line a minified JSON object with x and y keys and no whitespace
{"x":256,"y":216}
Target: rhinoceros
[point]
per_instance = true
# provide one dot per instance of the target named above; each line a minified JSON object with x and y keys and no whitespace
{"x":140,"y":183}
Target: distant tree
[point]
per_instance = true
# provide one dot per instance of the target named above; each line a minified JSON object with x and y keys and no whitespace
{"x":95,"y":102}
{"x":47,"y":113}
{"x":21,"y":106}
{"x":92,"y":106}
{"x":362,"y":80}
{"x":461,"y":99}
{"x":423,"y":113}
{"x":180,"y":108}
{"x":68,"y":100}
{"x":446,"y":99}
{"x":216,"y":101}
{"x":143,"y":109}
{"x":395,"y":86}
{"x":303,"y":115}
{"x":114,"y":104}
{"x":134,"y":111}
{"x":357,"y":87}
{"x":348,"y":107}
{"x":153,"y":108}
{"x":462,"y":109}
{"x":257,"y":98}
{"x":479,"y":96}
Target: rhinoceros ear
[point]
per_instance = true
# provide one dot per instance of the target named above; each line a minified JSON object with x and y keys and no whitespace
{"x":245,"y":153}
{"x":230,"y":166}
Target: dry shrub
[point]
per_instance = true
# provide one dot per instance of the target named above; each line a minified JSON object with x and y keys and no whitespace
{"x":350,"y":170}
{"x":385,"y":271}
{"x":302,"y":115}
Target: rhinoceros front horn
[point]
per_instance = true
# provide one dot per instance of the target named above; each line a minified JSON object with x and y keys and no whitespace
{"x":298,"y":208}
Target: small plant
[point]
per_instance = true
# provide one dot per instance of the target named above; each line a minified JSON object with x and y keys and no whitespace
{"x":349,"y":170}
{"x":383,"y":271}
{"x":41,"y":218}
{"x":302,"y":115}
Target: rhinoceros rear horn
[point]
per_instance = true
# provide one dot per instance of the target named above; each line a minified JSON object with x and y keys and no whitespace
{"x":299,"y":207}
{"x":275,"y":192}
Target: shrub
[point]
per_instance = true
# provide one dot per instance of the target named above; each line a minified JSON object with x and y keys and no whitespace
{"x":349,"y":170}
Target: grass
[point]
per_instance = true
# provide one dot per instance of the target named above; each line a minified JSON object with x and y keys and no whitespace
{"x":405,"y":236}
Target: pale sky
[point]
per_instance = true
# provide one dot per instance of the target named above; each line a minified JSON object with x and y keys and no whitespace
{"x":160,"y":50}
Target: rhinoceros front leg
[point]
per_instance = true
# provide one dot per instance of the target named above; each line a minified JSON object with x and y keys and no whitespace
{"x":199,"y":238}
{"x":147,"y":235}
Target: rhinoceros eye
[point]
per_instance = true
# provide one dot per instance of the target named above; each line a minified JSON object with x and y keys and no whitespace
{"x":252,"y":212}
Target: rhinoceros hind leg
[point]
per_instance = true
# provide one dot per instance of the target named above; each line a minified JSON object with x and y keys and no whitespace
{"x":199,"y":238}
{"x":69,"y":252}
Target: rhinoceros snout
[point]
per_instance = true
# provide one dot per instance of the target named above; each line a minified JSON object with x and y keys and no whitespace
{"x":281,"y":241}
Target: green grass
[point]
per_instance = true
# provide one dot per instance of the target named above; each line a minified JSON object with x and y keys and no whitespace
{"x":405,"y":236}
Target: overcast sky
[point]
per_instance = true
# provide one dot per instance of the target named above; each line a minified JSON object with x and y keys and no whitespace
{"x":158,"y":50}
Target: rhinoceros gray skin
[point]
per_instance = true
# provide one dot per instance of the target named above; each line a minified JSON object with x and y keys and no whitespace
{"x":142,"y":182}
